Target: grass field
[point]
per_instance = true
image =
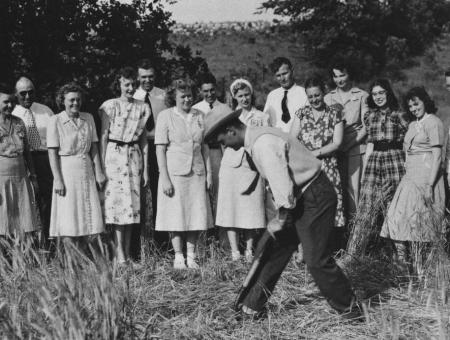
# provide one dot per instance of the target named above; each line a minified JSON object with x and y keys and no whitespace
{"x":77,"y":297}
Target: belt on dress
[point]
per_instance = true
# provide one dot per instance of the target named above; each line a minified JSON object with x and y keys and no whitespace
{"x":387,"y":145}
{"x":122,"y":143}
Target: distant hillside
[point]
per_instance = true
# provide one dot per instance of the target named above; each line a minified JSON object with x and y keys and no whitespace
{"x":247,"y":53}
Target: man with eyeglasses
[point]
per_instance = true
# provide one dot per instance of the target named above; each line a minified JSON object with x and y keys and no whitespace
{"x":36,"y":117}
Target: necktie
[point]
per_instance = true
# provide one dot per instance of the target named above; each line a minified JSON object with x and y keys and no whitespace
{"x":33,"y":134}
{"x":150,"y":125}
{"x":286,"y":116}
{"x":211,"y":106}
{"x":254,"y":183}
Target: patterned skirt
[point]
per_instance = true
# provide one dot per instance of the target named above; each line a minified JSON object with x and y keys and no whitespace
{"x":381,"y":178}
{"x":330,"y":166}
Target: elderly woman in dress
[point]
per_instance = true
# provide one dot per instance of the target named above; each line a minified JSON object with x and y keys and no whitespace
{"x":236,"y":209}
{"x":123,"y":149}
{"x":75,"y":162}
{"x":321,"y":129}
{"x":416,"y":211}
{"x":184,"y":172}
{"x":18,"y":210}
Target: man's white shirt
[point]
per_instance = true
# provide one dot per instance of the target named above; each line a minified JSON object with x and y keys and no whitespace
{"x":296,"y":99}
{"x":41,"y":114}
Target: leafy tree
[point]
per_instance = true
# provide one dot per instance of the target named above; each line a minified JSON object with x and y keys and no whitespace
{"x":56,"y":41}
{"x":372,"y":33}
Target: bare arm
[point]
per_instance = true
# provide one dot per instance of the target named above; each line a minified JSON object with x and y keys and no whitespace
{"x":104,"y":133}
{"x":329,"y":149}
{"x":295,"y":127}
{"x":99,"y":174}
{"x":58,"y":183}
{"x":143,"y":145}
{"x":435,"y":166}
{"x":207,"y":160}
{"x":164,"y":178}
{"x":362,"y":133}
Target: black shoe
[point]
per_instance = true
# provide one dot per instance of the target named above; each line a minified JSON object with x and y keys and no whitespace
{"x":354,"y":312}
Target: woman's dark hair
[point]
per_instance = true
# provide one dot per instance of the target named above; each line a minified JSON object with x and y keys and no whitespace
{"x":65,"y":89}
{"x":391,"y":99}
{"x":178,"y":85}
{"x":315,"y":81}
{"x":419,"y":92}
{"x":343,"y":66}
{"x":6,"y":88}
{"x":278,"y":62}
{"x":126,"y":72}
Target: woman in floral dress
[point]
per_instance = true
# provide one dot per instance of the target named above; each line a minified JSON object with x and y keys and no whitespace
{"x":383,"y":164}
{"x":320,"y":128}
{"x":124,"y":147}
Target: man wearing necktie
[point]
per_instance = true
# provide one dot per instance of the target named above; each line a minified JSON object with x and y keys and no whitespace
{"x":212,"y":108}
{"x":283,"y":102}
{"x":154,"y":97}
{"x":36,"y":117}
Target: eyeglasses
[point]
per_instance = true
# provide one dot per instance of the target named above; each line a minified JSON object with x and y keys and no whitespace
{"x":25,"y":93}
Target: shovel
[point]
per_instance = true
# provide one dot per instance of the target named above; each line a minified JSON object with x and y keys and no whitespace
{"x":261,"y":254}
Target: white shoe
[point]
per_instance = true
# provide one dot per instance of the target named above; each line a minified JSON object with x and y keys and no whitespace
{"x":179,"y":263}
{"x":191,"y":263}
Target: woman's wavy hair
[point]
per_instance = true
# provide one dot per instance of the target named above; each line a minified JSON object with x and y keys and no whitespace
{"x":181,"y":84}
{"x":315,"y":81}
{"x":126,"y":72}
{"x":391,"y":99}
{"x":65,"y":89}
{"x":421,"y":93}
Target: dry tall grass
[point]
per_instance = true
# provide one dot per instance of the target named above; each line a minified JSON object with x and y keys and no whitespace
{"x":74,"y":296}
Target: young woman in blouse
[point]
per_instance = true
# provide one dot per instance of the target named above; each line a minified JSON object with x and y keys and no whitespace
{"x":320,"y":128}
{"x":237,"y":211}
{"x":76,"y":167}
{"x":18,"y":209}
{"x":416,"y":212}
{"x":184,"y":173}
{"x":384,"y":162}
{"x":124,"y":147}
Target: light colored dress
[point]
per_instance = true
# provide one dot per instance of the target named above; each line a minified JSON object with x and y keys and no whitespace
{"x":123,"y":160}
{"x":189,"y":208}
{"x":78,"y":212}
{"x":18,"y":209}
{"x":235,"y":210}
{"x":410,"y":217}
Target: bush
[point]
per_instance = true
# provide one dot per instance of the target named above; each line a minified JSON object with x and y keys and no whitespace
{"x":372,"y":33}
{"x":56,"y":41}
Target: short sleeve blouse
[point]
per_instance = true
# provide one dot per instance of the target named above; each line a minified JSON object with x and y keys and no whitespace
{"x":126,"y":119}
{"x":424,"y":134}
{"x":385,"y":125}
{"x":13,"y":140}
{"x":71,"y":137}
{"x":183,"y":134}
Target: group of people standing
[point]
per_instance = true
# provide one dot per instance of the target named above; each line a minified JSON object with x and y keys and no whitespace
{"x":151,"y":165}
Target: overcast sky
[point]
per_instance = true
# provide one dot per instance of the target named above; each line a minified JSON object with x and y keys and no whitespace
{"x":189,"y":11}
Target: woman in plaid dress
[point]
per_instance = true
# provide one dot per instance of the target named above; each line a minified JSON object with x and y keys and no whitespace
{"x":383,"y":164}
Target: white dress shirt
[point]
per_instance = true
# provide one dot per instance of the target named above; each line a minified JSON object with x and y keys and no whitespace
{"x":296,"y":98}
{"x":204,"y":106}
{"x":156,"y":96}
{"x":41,"y":114}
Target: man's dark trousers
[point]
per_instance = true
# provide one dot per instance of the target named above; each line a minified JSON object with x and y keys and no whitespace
{"x":312,"y":220}
{"x":45,"y":183}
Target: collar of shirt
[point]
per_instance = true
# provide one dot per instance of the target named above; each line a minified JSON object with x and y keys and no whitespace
{"x":354,"y":95}
{"x":140,"y":94}
{"x":186,"y":116}
{"x":66,"y":119}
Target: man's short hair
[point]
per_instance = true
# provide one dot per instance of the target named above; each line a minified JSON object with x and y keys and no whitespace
{"x":206,"y":78}
{"x":447,"y":73}
{"x":145,"y":64}
{"x":278,"y":62}
{"x":6,"y":88}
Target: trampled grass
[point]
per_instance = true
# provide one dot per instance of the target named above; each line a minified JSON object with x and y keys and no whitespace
{"x":74,"y":296}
